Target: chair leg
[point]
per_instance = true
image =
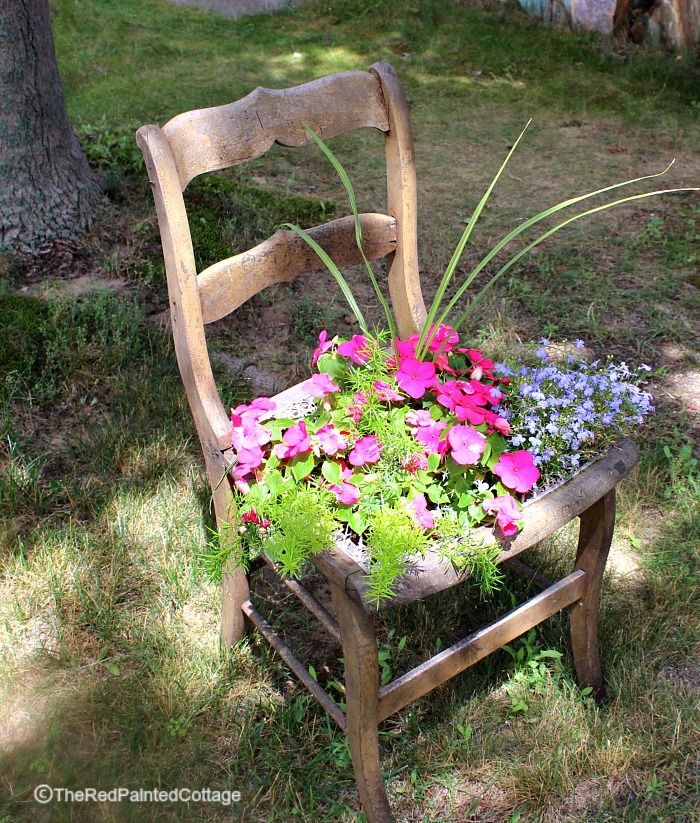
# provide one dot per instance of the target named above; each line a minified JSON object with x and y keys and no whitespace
{"x":361,"y":697}
{"x":234,"y":579}
{"x":595,"y":536}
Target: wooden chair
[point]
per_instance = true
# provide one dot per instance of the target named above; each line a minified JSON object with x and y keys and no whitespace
{"x":215,"y":138}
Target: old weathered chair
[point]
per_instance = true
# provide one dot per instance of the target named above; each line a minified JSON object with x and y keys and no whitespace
{"x":215,"y":138}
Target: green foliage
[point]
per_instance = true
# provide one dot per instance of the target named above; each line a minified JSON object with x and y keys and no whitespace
{"x":468,"y":554}
{"x":227,"y":217}
{"x":303,"y":526}
{"x":43,"y":346}
{"x":391,"y":537}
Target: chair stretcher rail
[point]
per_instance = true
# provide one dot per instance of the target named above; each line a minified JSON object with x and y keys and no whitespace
{"x":480,"y":644}
{"x":295,"y":665}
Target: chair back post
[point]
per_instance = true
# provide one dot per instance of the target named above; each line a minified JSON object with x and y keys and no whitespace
{"x":212,"y":422}
{"x":402,"y":203}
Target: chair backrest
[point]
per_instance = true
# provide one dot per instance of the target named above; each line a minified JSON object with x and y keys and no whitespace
{"x":215,"y":138}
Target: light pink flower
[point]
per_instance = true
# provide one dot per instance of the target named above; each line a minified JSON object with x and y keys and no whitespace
{"x":507,"y":513}
{"x":355,"y":412}
{"x":417,"y":507}
{"x":385,"y":393}
{"x":415,"y":377}
{"x":324,"y":344}
{"x":517,"y":471}
{"x":357,"y":349}
{"x":319,"y":385}
{"x":296,"y":441}
{"x":367,"y":450}
{"x":467,"y":445}
{"x":421,"y":417}
{"x":330,"y":439}
{"x":248,"y":432}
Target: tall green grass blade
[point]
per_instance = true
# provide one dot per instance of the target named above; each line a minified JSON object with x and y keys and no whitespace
{"x":345,"y":180}
{"x":514,"y":259}
{"x":426,"y":334}
{"x":531,"y":222}
{"x":335,"y":271}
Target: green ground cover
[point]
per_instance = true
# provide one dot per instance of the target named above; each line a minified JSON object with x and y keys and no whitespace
{"x":111,"y":670}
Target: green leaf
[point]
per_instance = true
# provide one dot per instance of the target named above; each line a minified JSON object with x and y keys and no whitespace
{"x":332,"y":365}
{"x":434,"y":494}
{"x":357,"y":522}
{"x":302,"y":466}
{"x":332,"y":471}
{"x":274,"y":482}
{"x":112,"y":668}
{"x":433,"y":462}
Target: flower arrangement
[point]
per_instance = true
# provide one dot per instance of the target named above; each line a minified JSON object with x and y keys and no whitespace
{"x":406,"y":444}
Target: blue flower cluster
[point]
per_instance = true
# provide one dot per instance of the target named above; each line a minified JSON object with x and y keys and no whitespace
{"x":567,"y":416}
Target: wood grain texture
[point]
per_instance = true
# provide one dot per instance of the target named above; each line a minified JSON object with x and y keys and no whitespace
{"x":216,"y":138}
{"x":595,"y":537}
{"x":361,"y":698}
{"x":212,"y":422}
{"x":229,"y":283}
{"x":402,"y":203}
{"x":480,"y":644}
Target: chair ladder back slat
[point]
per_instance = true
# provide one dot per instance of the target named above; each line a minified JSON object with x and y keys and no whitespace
{"x":226,"y":285}
{"x":404,"y":278}
{"x":210,"y":418}
{"x":215,"y":138}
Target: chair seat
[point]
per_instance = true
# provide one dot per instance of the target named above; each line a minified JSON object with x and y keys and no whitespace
{"x":431,"y":573}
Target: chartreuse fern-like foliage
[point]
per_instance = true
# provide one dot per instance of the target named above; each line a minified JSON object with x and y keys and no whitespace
{"x":304,"y":526}
{"x":391,"y":537}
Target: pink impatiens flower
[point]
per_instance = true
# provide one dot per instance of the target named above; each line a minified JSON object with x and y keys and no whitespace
{"x":296,"y":441}
{"x":319,"y":385}
{"x":330,"y":439}
{"x":345,"y":492}
{"x":357,"y":349}
{"x":367,"y":450}
{"x":324,"y":344}
{"x":467,"y":445}
{"x":517,"y":471}
{"x":417,"y":507}
{"x":385,"y":393}
{"x":429,"y":436}
{"x":253,"y":517}
{"x":507,"y":513}
{"x":414,"y":463}
{"x":415,"y":377}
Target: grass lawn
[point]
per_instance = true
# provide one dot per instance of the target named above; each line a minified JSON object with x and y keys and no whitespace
{"x":112,"y":674}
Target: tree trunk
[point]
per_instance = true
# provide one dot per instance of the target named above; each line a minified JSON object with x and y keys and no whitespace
{"x":47,"y":190}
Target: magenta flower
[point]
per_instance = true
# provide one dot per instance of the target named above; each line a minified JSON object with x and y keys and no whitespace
{"x":319,"y":385}
{"x":253,"y":517}
{"x":467,"y":445}
{"x":296,"y":441}
{"x":357,"y":349}
{"x":415,"y":377}
{"x":417,"y":507}
{"x":249,"y":432}
{"x":385,"y":393}
{"x":429,"y":436}
{"x":446,"y":338}
{"x":346,"y":493}
{"x":355,"y":412}
{"x":324,"y":344}
{"x":330,"y":439}
{"x":255,"y":409}
{"x":517,"y":471}
{"x":507,"y":513}
{"x":367,"y":450}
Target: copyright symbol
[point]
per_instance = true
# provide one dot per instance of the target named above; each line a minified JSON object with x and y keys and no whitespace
{"x":43,"y":794}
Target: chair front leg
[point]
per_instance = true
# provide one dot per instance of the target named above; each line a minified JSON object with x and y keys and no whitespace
{"x":595,"y":536}
{"x":361,"y":697}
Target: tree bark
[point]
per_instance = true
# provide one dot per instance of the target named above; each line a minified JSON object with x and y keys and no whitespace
{"x":47,"y":189}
